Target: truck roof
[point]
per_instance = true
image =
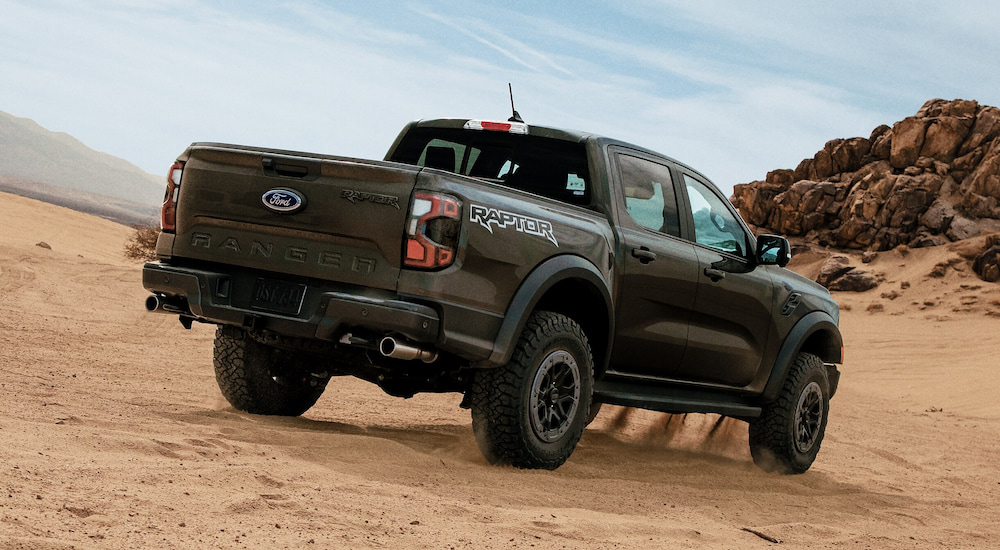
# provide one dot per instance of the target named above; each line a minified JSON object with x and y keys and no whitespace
{"x":544,"y":131}
{"x":553,"y":133}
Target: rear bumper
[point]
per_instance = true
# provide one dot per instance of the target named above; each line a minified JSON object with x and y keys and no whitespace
{"x":327,"y":311}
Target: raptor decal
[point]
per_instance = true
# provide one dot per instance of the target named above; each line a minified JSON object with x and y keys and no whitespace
{"x":489,"y":217}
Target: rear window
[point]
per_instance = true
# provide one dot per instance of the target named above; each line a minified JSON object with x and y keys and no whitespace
{"x":548,"y":167}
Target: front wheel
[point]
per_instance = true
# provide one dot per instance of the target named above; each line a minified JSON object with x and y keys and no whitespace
{"x":788,"y":434}
{"x":531,"y":412}
{"x":260,"y":379}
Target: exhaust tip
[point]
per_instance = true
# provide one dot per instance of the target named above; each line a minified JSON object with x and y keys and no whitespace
{"x":387,"y":346}
{"x":161,"y":304}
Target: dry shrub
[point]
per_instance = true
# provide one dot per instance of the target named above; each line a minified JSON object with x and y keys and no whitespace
{"x":142,"y":244}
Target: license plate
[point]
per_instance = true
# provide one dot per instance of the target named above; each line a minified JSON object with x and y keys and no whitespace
{"x":278,"y":296}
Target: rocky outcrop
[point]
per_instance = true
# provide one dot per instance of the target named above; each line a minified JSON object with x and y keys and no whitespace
{"x":928,"y":180}
{"x":987,"y":263}
{"x":837,"y":273}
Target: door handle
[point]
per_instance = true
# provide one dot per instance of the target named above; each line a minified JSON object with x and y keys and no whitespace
{"x":715,"y":274}
{"x":644,"y":254}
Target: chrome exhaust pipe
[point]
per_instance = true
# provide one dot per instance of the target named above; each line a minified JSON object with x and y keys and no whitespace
{"x":390,"y":347}
{"x":159,"y":304}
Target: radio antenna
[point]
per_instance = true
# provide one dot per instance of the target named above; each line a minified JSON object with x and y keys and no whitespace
{"x":516,"y":117}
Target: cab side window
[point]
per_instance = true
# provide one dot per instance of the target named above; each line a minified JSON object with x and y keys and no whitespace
{"x":714,"y":225}
{"x":649,"y":194}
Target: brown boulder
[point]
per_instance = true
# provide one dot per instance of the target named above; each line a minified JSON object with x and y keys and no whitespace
{"x":962,"y":228}
{"x":925,"y":240}
{"x":985,"y":180}
{"x":755,"y":201}
{"x":813,"y":221}
{"x":941,"y":107}
{"x":985,"y":130}
{"x":907,"y":140}
{"x":822,"y":165}
{"x":781,"y":177}
{"x":851,"y":229}
{"x":881,"y":142}
{"x":978,"y":206}
{"x":855,"y":280}
{"x":837,"y":274}
{"x":944,"y":136}
{"x":802,"y":171}
{"x":987,"y":264}
{"x":848,"y":154}
{"x":832,"y":269}
{"x":938,"y":217}
{"x":879,"y":131}
{"x":967,"y":162}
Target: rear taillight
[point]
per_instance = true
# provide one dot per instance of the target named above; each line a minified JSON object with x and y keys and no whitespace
{"x":168,"y":212}
{"x":432,"y":230}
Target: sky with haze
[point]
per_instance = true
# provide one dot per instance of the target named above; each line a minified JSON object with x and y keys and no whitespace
{"x":732,"y":88}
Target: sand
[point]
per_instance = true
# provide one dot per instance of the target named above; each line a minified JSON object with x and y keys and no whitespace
{"x":113,"y":434}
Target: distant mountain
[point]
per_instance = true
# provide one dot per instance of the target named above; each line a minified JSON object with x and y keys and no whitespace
{"x":117,"y":210}
{"x":30,"y":152}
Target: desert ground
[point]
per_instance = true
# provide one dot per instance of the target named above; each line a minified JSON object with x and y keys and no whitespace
{"x":113,"y":434}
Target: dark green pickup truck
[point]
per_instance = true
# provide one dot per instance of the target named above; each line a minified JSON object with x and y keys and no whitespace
{"x":539,"y":272}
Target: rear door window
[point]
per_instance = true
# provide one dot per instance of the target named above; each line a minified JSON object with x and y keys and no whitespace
{"x":649,"y":194}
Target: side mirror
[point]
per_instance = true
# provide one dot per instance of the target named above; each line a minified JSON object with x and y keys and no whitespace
{"x":773,"y":250}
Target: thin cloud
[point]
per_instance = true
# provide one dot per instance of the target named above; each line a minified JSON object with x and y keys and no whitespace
{"x":466,"y":26}
{"x":740,"y":94}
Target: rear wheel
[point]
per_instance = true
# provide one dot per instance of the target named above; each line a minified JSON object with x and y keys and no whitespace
{"x":531,"y":412}
{"x":260,"y":379}
{"x":595,"y":409}
{"x":788,"y":434}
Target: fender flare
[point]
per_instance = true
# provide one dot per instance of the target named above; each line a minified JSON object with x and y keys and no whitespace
{"x":810,"y":324}
{"x":533,"y":288}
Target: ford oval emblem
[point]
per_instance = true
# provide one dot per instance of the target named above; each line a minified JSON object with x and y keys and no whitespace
{"x":283,"y":201}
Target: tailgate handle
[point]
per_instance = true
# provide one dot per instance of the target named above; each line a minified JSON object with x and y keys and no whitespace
{"x":284,"y":169}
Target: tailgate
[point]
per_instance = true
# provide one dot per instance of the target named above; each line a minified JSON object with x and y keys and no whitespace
{"x":330,"y":218}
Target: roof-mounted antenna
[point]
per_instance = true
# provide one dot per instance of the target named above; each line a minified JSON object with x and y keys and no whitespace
{"x":516,"y":117}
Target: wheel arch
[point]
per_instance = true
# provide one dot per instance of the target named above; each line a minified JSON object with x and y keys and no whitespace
{"x":569,"y":285}
{"x":816,"y":333}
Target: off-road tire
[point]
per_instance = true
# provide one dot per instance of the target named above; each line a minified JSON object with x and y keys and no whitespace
{"x":595,"y":409}
{"x":531,"y":412}
{"x":260,"y":379}
{"x":787,"y":435}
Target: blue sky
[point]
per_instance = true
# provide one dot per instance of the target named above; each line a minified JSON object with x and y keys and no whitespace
{"x":732,"y":88}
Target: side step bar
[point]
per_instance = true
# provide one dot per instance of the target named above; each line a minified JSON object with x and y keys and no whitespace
{"x":672,"y":399}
